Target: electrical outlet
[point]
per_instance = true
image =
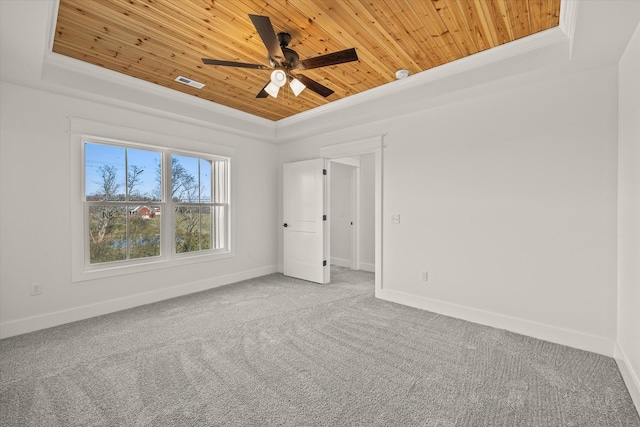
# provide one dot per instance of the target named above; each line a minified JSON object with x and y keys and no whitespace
{"x":424,"y":276}
{"x":36,"y":289}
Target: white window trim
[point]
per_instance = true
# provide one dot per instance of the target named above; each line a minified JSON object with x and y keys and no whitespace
{"x":81,"y":130}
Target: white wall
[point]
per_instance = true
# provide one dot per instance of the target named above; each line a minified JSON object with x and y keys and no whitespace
{"x":341,"y":214}
{"x":509,"y":200}
{"x":628,"y":338}
{"x":35,"y":225}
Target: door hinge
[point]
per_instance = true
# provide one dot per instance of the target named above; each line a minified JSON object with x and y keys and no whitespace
{"x":324,"y":217}
{"x":324,"y":263}
{"x":324,"y":171}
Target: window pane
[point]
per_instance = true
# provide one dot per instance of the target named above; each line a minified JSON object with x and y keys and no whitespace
{"x":104,"y":172}
{"x":205,"y":181}
{"x":184,"y":179}
{"x":144,"y":231}
{"x":187,"y":229}
{"x":144,"y":176}
{"x":107,"y":233}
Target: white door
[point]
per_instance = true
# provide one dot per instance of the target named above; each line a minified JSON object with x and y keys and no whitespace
{"x":304,"y":230}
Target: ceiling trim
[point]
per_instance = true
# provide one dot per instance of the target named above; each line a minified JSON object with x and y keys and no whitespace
{"x":538,"y":41}
{"x":99,"y":84}
{"x":51,"y":28}
{"x":551,"y":39}
{"x":568,"y":18}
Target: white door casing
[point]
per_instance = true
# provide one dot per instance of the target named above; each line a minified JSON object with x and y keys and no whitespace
{"x":304,"y":230}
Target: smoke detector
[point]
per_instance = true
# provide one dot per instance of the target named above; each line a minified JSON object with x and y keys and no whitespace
{"x":401,"y":74}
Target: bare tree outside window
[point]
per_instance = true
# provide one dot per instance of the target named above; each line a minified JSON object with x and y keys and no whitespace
{"x":191,"y":179}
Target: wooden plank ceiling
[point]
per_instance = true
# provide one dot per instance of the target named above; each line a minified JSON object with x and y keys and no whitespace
{"x":158,"y":40}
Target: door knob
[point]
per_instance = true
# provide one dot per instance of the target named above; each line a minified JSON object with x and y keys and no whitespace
{"x":286,"y":225}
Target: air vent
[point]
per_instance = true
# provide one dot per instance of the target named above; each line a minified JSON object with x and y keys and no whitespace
{"x":190,"y":82}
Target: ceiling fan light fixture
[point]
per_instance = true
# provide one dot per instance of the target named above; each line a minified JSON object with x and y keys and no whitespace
{"x":272,"y":89}
{"x":278,"y":78}
{"x":283,"y":59}
{"x":296,"y":86}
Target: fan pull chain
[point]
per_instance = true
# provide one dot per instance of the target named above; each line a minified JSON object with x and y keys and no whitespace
{"x":286,"y":95}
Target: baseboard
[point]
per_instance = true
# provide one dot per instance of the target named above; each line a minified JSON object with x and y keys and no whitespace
{"x":365,"y":266}
{"x":48,"y":320}
{"x":341,"y":262}
{"x":631,"y":378}
{"x":568,"y":337}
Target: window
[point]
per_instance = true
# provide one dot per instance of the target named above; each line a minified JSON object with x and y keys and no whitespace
{"x":199,"y":192}
{"x":123,"y":193}
{"x":146,"y":204}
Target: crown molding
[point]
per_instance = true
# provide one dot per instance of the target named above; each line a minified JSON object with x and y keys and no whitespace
{"x":73,"y":77}
{"x":568,"y":18}
{"x":560,"y":34}
{"x":480,"y":59}
{"x":545,"y":44}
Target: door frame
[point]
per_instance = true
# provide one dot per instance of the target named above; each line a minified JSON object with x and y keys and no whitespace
{"x":371,"y":145}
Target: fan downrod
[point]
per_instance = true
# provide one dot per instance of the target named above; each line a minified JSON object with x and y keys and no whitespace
{"x":284,"y":39}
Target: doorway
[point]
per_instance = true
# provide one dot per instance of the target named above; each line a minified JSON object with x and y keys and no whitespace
{"x":357,"y":148}
{"x":352,"y":212}
{"x":343,"y":212}
{"x":372,"y":146}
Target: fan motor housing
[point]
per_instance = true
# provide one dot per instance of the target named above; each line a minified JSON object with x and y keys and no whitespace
{"x":291,"y":58}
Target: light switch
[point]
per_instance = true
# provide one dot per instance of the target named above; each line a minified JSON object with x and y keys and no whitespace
{"x":395,"y":219}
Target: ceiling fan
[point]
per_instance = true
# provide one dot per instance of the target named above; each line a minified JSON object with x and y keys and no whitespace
{"x":284,"y":60}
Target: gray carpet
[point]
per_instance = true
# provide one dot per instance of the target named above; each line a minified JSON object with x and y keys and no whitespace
{"x":275,"y":351}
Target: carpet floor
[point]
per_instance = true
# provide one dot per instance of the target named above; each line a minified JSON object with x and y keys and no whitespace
{"x":276,"y":351}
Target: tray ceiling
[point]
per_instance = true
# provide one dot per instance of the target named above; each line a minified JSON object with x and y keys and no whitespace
{"x":159,"y":40}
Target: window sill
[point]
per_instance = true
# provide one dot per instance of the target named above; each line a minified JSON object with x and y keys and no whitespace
{"x":99,"y":272}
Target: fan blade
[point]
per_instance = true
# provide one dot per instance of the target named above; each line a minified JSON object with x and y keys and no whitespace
{"x":233,"y":64}
{"x":263,"y":93}
{"x":268,"y":36}
{"x":335,"y":58}
{"x":314,"y":85}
